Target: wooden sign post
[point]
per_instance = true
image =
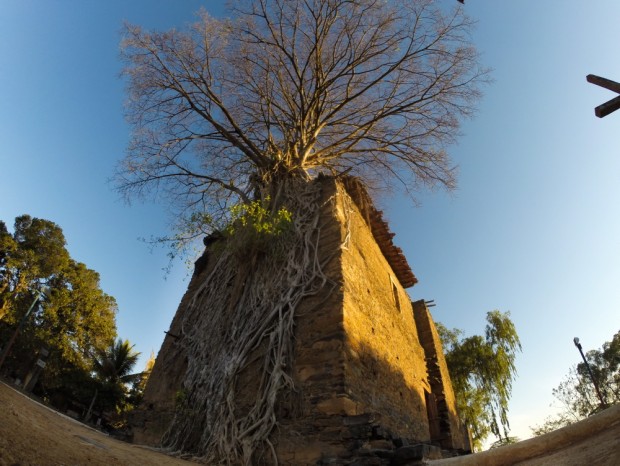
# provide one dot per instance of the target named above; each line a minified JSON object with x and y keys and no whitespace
{"x":611,"y":105}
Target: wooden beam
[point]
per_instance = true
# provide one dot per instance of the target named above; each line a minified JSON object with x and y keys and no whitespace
{"x":603,"y":82}
{"x":608,"y":107}
{"x":611,"y":105}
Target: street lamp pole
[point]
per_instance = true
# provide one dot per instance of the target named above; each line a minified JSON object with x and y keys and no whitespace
{"x":10,"y":343}
{"x":598,"y":392}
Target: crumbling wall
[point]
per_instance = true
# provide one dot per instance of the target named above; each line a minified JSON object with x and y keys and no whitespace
{"x":359,"y":369}
{"x":385,"y":362}
{"x":451,"y":433}
{"x":162,"y":392}
{"x":311,"y":417}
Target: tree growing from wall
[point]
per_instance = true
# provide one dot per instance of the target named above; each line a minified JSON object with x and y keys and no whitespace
{"x":237,"y":116}
{"x":225,"y":111}
{"x":482,"y":369}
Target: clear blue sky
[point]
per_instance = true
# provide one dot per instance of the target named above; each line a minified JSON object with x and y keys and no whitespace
{"x":534,"y":227}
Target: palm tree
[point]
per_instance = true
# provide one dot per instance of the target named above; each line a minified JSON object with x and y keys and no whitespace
{"x":115,"y":364}
{"x":113,"y":367}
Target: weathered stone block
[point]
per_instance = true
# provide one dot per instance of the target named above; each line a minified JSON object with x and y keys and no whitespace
{"x":418,"y":452}
{"x":381,"y":444}
{"x":338,"y":405}
{"x":379,"y":432}
{"x":400,"y":442}
{"x":366,"y":418}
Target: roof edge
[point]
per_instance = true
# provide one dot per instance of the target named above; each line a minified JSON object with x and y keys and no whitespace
{"x":380,"y":230}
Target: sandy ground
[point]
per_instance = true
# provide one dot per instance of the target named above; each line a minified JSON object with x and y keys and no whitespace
{"x":32,"y":434}
{"x":595,"y":441}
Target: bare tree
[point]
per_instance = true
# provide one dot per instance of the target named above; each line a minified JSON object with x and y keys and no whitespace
{"x":293,"y":88}
{"x":251,"y":107}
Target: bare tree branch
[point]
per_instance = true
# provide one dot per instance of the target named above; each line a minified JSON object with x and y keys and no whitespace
{"x":374,"y":88}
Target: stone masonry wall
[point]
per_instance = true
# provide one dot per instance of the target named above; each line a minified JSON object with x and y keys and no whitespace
{"x":384,"y":360}
{"x":359,"y":367}
{"x":151,"y":420}
{"x":312,"y":416}
{"x":451,"y":433}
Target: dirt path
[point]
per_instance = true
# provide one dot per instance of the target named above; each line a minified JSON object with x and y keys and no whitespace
{"x":33,"y":435}
{"x":595,"y":441}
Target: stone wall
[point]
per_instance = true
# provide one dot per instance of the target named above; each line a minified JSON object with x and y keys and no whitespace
{"x":360,"y":369}
{"x":151,"y":420}
{"x":450,"y":433}
{"x":385,"y":363}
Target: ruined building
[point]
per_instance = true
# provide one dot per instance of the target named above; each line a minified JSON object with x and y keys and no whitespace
{"x":371,"y":384}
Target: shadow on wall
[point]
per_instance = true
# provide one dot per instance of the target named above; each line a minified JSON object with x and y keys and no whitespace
{"x":346,"y":422}
{"x":379,"y":385}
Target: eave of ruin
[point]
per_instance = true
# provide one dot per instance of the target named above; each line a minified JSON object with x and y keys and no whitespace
{"x":380,"y":230}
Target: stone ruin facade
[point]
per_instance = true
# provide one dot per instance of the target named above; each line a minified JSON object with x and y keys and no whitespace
{"x":371,"y":381}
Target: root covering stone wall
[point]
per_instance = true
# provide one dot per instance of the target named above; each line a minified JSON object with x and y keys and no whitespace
{"x":370,"y":381}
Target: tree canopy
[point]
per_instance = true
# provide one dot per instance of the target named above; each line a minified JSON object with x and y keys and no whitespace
{"x":114,"y":367}
{"x":30,"y":258}
{"x":482,"y":370}
{"x":576,"y":393}
{"x":72,"y":319}
{"x":225,"y":109}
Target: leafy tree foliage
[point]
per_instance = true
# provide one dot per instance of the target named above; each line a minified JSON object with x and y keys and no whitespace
{"x":576,"y":392}
{"x":482,"y":370}
{"x":114,"y":368}
{"x":115,"y":364}
{"x":74,"y":317}
{"x":226,"y":110}
{"x":7,"y":246}
{"x":30,"y":258}
{"x":139,"y":385}
{"x":504,"y":441}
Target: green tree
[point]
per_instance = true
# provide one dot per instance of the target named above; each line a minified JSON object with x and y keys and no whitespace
{"x":576,"y":393}
{"x":114,"y":369}
{"x":504,"y":441}
{"x":79,"y":314}
{"x":74,"y":317}
{"x":29,"y":259}
{"x":482,"y":370}
{"x":137,"y":389}
{"x":7,"y":248}
{"x":227,"y":110}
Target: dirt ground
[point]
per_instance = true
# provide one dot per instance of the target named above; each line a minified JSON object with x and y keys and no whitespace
{"x":594,"y":441}
{"x":34,"y":435}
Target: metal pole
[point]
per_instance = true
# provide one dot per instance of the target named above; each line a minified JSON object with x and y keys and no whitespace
{"x":598,"y":392}
{"x":22,"y":322}
{"x":90,"y":408}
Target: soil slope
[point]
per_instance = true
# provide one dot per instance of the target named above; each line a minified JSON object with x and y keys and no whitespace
{"x":32,"y":434}
{"x":595,"y":441}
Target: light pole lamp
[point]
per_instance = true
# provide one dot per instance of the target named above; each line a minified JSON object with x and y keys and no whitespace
{"x":10,"y":343}
{"x":598,"y":392}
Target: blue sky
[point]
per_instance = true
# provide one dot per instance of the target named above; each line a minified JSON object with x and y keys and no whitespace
{"x":533,"y":227}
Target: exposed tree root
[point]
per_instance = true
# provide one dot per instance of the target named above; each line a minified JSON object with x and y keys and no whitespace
{"x":245,"y":310}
